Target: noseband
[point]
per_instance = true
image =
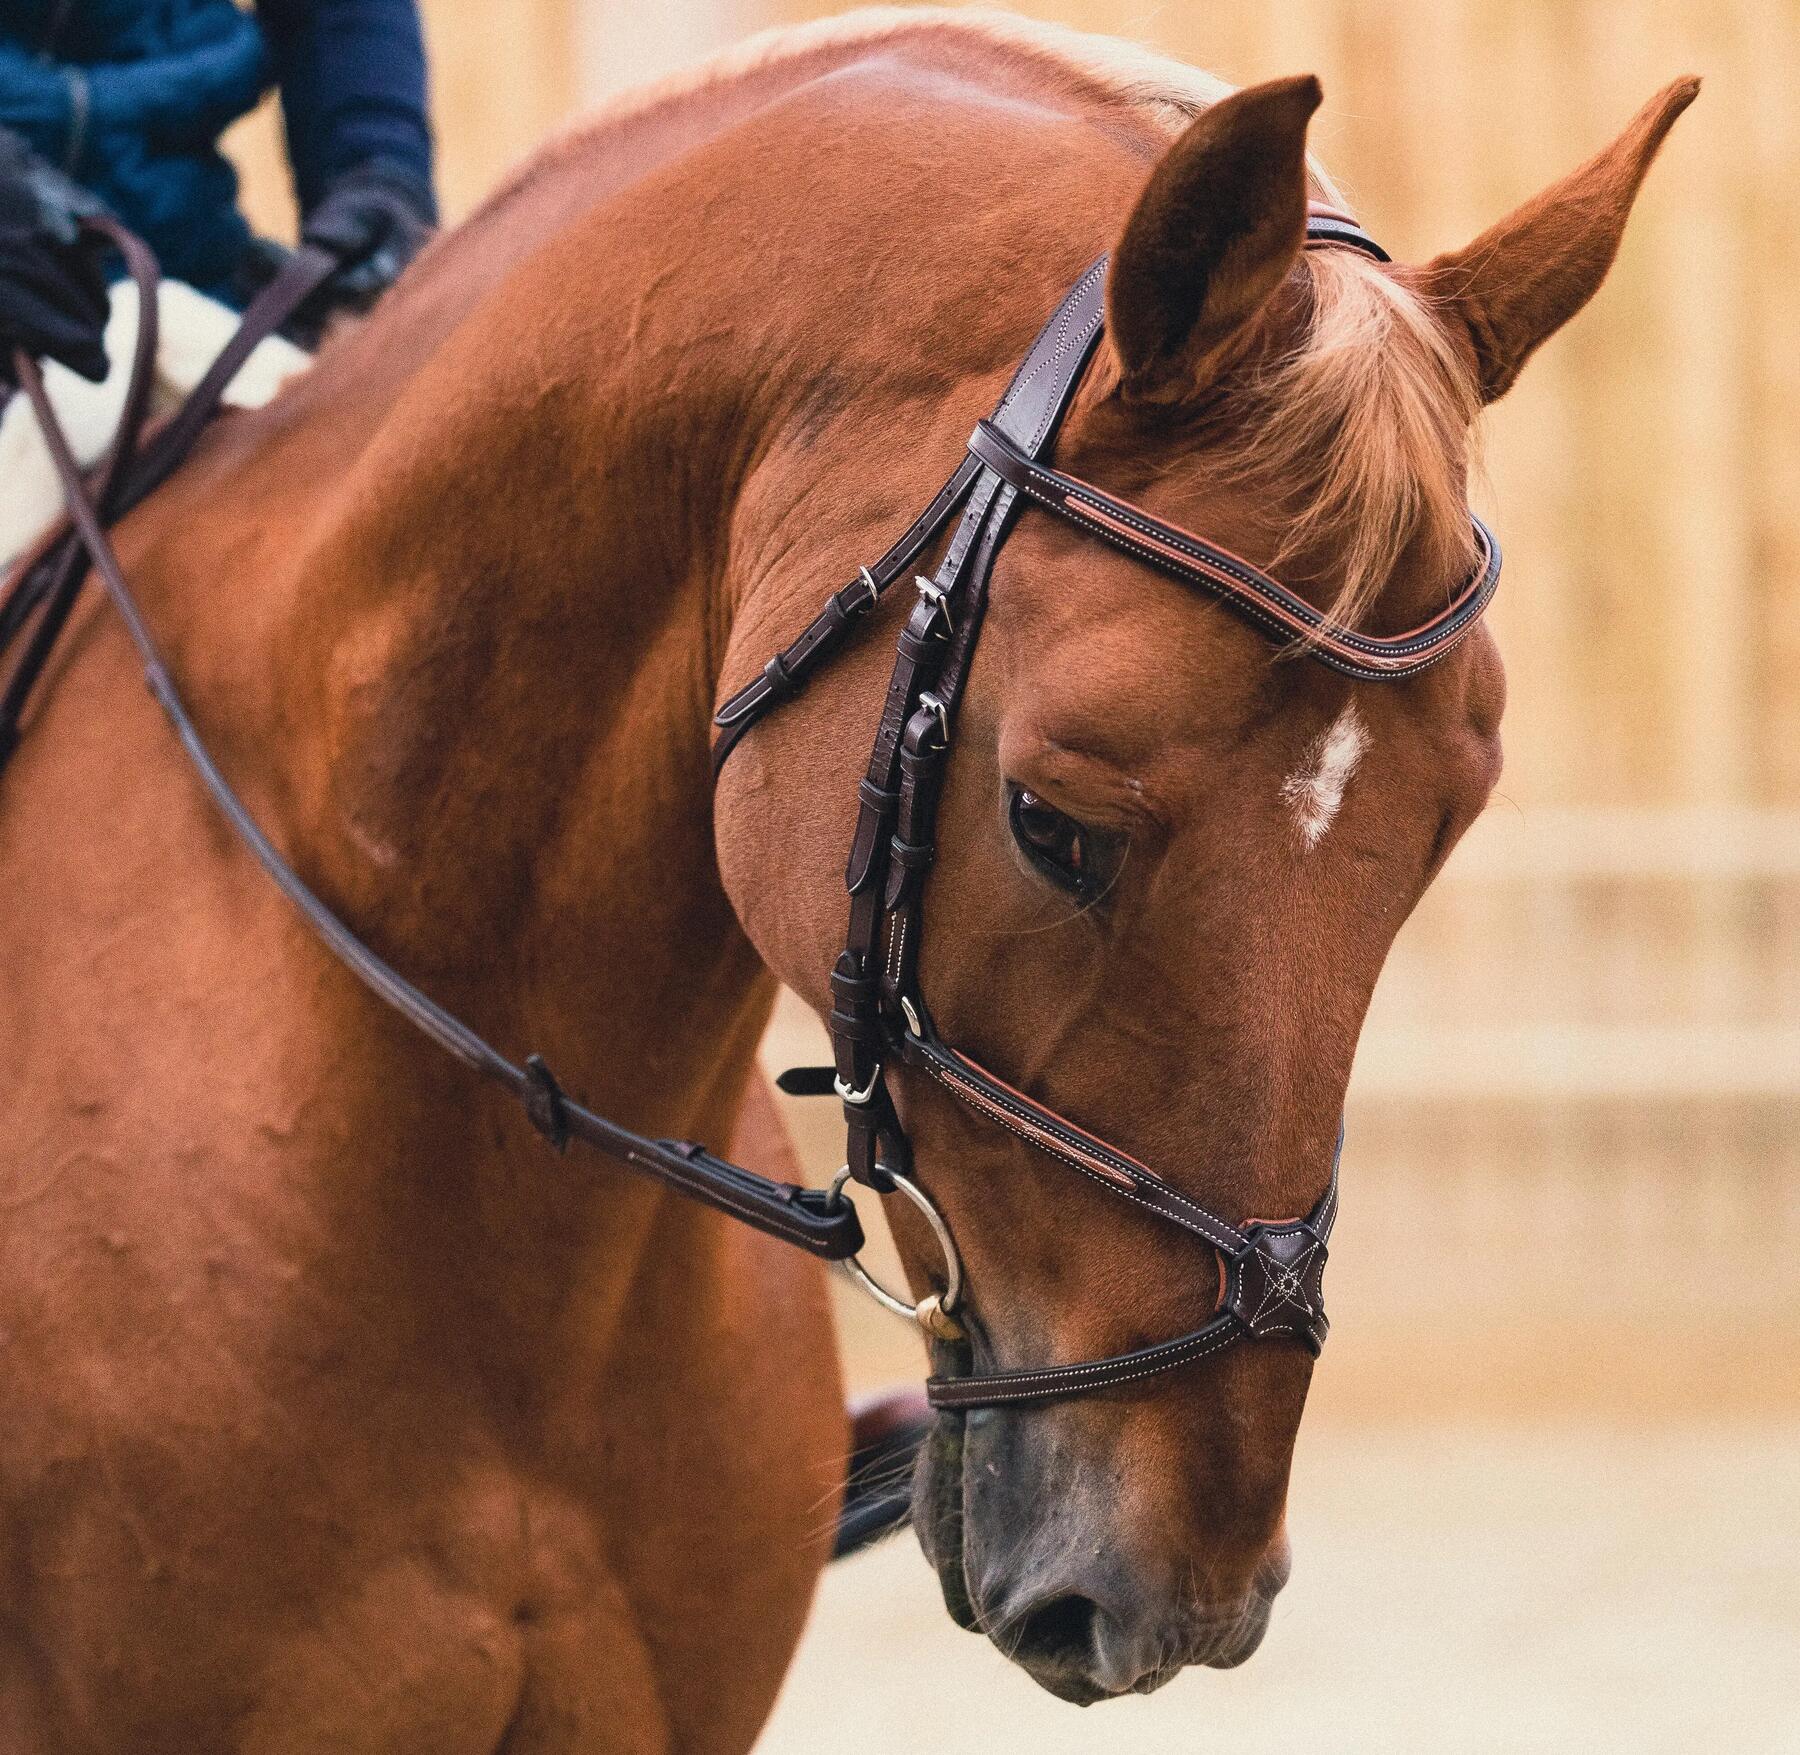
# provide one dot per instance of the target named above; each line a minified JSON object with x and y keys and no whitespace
{"x":1269,"y":1272}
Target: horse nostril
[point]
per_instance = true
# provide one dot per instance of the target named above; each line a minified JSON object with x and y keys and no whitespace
{"x":1060,"y":1631}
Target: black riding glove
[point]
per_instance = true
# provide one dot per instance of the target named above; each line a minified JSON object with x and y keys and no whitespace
{"x":375,"y":220}
{"x":52,"y":284}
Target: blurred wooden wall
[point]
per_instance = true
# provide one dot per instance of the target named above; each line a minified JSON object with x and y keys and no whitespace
{"x":1599,"y":1005}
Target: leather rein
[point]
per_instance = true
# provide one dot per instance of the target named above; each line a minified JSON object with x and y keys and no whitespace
{"x":1269,"y":1273}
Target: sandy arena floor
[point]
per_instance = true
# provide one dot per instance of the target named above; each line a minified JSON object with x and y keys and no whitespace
{"x":1471,"y":1588}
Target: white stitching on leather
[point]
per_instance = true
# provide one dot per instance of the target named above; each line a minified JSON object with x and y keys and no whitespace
{"x":1078,"y":497}
{"x":1183,"y":1350}
{"x":1363,"y":671}
{"x":1179,"y":1349}
{"x":1368,"y":645}
{"x":1058,"y":347}
{"x":975,"y":1092}
{"x":1298,"y":1269}
{"x":1220,"y":1238}
{"x":1371,"y":659}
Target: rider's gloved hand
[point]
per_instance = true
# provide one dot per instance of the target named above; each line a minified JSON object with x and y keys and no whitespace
{"x":52,"y":284}
{"x":374,"y":219}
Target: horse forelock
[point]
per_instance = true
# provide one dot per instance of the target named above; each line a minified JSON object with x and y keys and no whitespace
{"x":1360,"y":428}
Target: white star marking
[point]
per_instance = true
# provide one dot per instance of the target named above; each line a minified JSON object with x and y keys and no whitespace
{"x":1315,"y":791}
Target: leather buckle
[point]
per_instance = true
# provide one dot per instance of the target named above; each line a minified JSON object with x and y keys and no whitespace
{"x":933,"y":594}
{"x":871,"y":593}
{"x":849,"y":1092}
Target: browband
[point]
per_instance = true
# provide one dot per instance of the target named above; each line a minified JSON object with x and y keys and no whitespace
{"x":1332,"y":225}
{"x":1263,"y":601}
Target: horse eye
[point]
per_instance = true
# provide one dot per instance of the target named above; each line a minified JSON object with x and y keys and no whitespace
{"x":1056,"y":844}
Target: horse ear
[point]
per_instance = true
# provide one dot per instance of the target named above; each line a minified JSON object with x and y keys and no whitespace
{"x":1212,"y":236}
{"x":1521,"y":280}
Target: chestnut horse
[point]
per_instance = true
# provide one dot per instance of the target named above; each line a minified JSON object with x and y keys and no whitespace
{"x":335,"y":1413}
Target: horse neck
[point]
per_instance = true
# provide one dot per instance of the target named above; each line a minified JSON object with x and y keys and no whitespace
{"x":471,"y":690}
{"x":507,"y":539}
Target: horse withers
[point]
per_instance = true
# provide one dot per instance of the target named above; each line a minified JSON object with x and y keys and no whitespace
{"x":334,"y":1411}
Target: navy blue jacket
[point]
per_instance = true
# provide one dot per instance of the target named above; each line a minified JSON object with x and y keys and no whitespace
{"x":130,"y":97}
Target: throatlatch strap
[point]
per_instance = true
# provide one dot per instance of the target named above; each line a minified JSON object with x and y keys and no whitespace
{"x":784,"y":674}
{"x":1033,"y":404}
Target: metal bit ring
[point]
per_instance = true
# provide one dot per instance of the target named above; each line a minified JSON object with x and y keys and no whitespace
{"x":933,"y":1312}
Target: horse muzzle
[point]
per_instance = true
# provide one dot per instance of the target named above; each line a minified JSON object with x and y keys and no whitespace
{"x":1090,"y":1628}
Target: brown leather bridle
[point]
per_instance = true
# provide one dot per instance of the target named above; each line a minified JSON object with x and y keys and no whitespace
{"x":1269,"y":1273}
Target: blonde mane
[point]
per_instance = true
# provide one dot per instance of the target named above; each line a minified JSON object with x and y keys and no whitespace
{"x":1360,"y":429}
{"x":1133,"y":76}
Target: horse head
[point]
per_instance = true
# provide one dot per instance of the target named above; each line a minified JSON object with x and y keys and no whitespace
{"x":1170,"y":863}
